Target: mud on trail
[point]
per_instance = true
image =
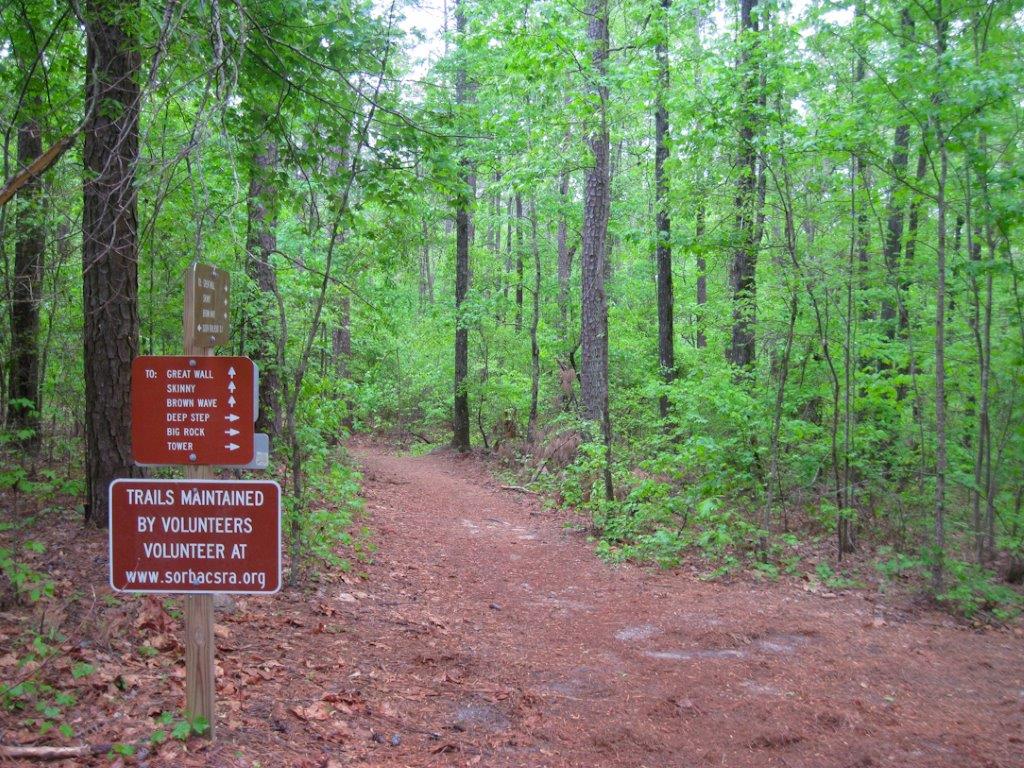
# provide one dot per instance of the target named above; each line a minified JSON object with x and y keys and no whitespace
{"x":487,"y":634}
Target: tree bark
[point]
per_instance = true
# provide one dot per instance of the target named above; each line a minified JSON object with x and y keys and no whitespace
{"x":565,"y":254}
{"x":895,"y":215}
{"x":261,"y":306}
{"x":341,"y":342}
{"x":662,"y":219}
{"x":460,"y":410}
{"x":743,"y":269}
{"x":23,"y":387}
{"x":519,"y":262}
{"x":940,"y":306}
{"x":702,"y":278}
{"x":984,"y":477}
{"x":109,"y":245}
{"x":594,"y":309}
{"x":531,"y":429}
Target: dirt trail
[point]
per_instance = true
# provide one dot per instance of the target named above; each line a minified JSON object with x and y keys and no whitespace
{"x":499,"y":639}
{"x":485,"y":633}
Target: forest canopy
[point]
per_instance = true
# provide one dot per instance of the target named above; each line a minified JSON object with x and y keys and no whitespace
{"x":731,"y":276}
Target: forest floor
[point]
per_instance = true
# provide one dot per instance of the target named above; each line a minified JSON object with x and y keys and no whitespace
{"x":487,"y":633}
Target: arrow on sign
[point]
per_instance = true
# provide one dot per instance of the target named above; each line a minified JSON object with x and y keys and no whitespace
{"x":231,"y":401}
{"x":231,"y":372}
{"x":232,"y":387}
{"x":231,"y":432}
{"x":231,"y":417}
{"x":231,"y":447}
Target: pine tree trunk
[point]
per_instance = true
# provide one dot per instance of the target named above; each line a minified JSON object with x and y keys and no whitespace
{"x":109,"y":245}
{"x":594,"y":309}
{"x":460,"y":411}
{"x":662,"y":219}
{"x":261,"y":307}
{"x":742,"y":271}
{"x":940,"y":308}
{"x":23,"y":389}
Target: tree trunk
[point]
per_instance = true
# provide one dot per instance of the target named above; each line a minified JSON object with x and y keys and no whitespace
{"x":702,"y":277}
{"x":531,"y":430}
{"x":662,"y":220}
{"x":894,"y":224}
{"x":594,"y":309}
{"x":341,"y":341}
{"x":565,"y":255}
{"x":426,"y":272}
{"x":109,"y":245}
{"x":892,"y":245}
{"x":519,"y":262}
{"x":742,"y":272}
{"x":460,"y":411}
{"x":984,"y":476}
{"x":506,"y":277}
{"x":23,"y":389}
{"x":940,"y":306}
{"x":903,"y":286}
{"x":261,"y":306}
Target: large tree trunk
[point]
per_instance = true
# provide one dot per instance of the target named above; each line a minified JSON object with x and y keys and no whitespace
{"x":23,"y":390}
{"x":109,"y":245}
{"x":261,"y":306}
{"x":460,"y":411}
{"x":662,"y":220}
{"x":940,"y":307}
{"x":743,"y":269}
{"x":594,"y":310}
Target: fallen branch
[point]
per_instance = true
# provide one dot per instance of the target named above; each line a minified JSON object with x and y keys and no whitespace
{"x":519,"y":489}
{"x":53,"y":753}
{"x":37,"y":167}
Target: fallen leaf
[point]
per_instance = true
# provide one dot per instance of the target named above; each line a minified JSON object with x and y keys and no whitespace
{"x":318,"y":710}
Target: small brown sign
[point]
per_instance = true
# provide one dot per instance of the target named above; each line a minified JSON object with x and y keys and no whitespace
{"x":193,"y":410}
{"x":210,"y":318}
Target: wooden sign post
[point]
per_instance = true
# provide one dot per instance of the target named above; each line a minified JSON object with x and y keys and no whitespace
{"x":199,"y":535}
{"x":200,"y":670}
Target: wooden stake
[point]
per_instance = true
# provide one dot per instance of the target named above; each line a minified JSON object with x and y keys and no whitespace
{"x":200,"y":672}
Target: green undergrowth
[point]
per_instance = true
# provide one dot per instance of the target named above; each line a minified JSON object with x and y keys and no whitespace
{"x":322,"y":522}
{"x":671,"y":518}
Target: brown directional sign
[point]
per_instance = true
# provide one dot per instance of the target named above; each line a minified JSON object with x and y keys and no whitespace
{"x":193,"y":410}
{"x":195,"y":536}
{"x":210,"y":287}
